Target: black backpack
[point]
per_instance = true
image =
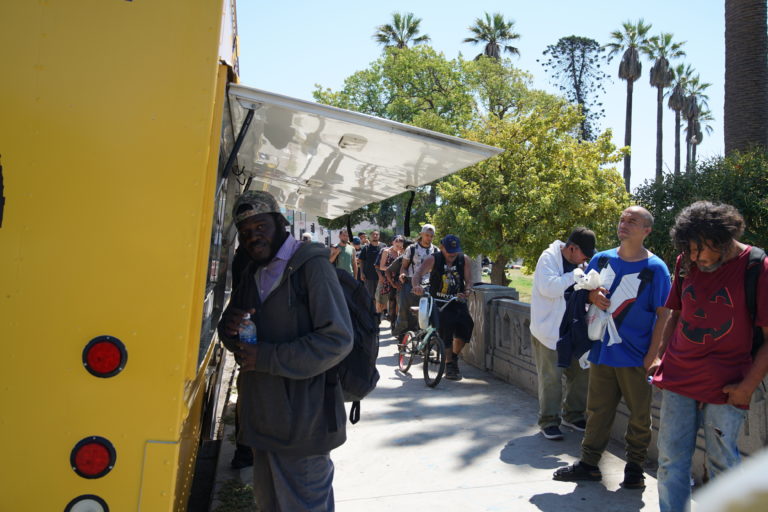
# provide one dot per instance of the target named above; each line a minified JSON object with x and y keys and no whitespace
{"x":357,"y":373}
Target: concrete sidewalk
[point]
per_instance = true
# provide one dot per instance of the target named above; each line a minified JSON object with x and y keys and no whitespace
{"x":464,"y":446}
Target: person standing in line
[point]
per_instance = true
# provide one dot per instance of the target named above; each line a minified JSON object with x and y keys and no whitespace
{"x":343,"y":254}
{"x":388,"y":292}
{"x":285,"y":414}
{"x":412,"y":259}
{"x":368,"y":256}
{"x":635,"y":286}
{"x":704,"y":364}
{"x":552,"y":285}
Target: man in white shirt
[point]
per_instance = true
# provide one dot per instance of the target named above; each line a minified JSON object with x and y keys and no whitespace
{"x":412,"y":258}
{"x":552,"y":284}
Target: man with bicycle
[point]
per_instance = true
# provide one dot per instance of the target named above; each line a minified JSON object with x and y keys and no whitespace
{"x":450,"y":274}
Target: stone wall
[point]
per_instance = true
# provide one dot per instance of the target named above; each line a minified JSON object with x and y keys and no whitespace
{"x":501,"y":344}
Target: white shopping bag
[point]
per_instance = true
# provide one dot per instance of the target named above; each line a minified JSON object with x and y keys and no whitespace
{"x":597,"y":321}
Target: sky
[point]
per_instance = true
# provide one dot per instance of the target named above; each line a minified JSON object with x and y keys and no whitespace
{"x":287,"y":47}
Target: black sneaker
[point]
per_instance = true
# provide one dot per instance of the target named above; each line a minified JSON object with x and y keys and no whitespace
{"x":452,"y":371}
{"x":243,"y":457}
{"x":580,"y":425}
{"x":552,"y":432}
{"x":634,"y":478}
{"x":578,"y":472}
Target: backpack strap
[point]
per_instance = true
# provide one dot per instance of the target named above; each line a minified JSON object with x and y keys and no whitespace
{"x":602,"y":262}
{"x":751,"y":276}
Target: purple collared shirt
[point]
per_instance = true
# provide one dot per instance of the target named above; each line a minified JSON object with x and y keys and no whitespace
{"x":268,"y":276}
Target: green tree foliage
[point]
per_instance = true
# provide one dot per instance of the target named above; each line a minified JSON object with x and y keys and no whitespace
{"x":418,"y":86}
{"x":495,"y":32}
{"x":403,"y":30}
{"x":741,"y":180}
{"x":544,"y":184}
{"x":574,"y":64}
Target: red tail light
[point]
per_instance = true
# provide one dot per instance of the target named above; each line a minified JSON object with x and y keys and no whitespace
{"x":105,"y":356}
{"x":93,"y":457}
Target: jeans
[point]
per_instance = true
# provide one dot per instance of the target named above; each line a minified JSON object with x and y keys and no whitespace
{"x":406,"y":321}
{"x":551,"y":387}
{"x":679,"y":424}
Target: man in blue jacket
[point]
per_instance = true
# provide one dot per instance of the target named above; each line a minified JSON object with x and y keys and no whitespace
{"x":283,"y":385}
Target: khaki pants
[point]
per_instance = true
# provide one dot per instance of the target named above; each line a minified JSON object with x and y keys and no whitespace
{"x":607,"y":386}
{"x":550,"y":377}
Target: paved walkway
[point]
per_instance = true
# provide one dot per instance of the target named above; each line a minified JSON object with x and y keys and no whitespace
{"x":464,"y":446}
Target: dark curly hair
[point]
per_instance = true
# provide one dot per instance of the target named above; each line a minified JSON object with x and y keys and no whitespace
{"x":714,"y":225}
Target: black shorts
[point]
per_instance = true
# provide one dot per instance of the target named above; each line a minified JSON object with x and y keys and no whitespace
{"x":455,"y":322}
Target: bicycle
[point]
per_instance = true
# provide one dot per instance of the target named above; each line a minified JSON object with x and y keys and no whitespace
{"x":425,"y":342}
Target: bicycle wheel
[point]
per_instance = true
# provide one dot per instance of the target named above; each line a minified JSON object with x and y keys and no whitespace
{"x":406,"y":351}
{"x":434,"y":360}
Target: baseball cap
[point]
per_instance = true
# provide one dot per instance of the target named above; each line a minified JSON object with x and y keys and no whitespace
{"x":451,"y":244}
{"x":585,"y":239}
{"x":355,"y":240}
{"x":254,"y":202}
{"x":428,"y":227}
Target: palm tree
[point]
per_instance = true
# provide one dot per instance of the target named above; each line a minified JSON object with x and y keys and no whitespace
{"x":402,"y":31}
{"x":705,"y":115}
{"x":631,"y":40}
{"x":661,"y":49}
{"x":676,"y":102}
{"x":495,"y":32}
{"x":695,"y":104}
{"x":745,"y":122}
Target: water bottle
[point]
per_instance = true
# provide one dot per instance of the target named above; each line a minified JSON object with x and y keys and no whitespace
{"x":247,"y":330}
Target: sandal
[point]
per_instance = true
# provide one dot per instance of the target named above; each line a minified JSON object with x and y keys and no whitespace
{"x":577,"y":473}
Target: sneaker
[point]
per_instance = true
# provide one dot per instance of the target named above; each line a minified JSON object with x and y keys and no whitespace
{"x":580,"y":425}
{"x":452,"y":371}
{"x":634,"y":478}
{"x":552,"y":432}
{"x":578,"y":472}
{"x":243,"y":457}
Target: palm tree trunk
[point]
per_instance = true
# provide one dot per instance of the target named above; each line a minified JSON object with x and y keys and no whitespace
{"x":693,"y":156}
{"x":677,"y":143}
{"x":659,"y":136}
{"x":688,"y":145}
{"x":745,"y":120}
{"x":628,"y":135}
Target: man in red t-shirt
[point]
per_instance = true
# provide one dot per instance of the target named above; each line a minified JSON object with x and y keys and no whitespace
{"x":704,"y":365}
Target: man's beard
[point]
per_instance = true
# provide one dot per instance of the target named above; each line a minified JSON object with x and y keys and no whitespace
{"x":274,"y":246}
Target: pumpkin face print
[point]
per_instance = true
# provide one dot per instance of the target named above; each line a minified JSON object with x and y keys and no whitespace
{"x":712,"y":315}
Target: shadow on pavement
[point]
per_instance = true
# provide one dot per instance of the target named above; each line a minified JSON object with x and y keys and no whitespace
{"x":537,"y":452}
{"x":590,"y":495}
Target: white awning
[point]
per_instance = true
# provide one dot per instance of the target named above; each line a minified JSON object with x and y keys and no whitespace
{"x":326,"y":161}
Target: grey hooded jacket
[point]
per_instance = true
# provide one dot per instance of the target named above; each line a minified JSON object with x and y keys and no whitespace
{"x":281,"y":402}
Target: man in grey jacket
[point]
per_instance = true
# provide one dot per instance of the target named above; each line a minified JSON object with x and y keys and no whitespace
{"x":284,"y":416}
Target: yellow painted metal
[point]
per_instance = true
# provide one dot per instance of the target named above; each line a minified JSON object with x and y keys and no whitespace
{"x":109,"y":163}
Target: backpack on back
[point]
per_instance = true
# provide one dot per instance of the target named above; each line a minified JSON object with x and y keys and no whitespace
{"x":357,"y":373}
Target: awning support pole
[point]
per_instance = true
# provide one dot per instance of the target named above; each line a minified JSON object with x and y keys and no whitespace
{"x":407,"y":226}
{"x":238,"y":143}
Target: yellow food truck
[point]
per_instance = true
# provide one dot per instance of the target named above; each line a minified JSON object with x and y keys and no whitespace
{"x":124,"y":140}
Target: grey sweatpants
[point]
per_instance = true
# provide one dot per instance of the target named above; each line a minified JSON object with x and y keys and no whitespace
{"x":288,"y":483}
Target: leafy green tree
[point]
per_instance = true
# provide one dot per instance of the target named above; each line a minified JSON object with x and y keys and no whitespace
{"x":403,"y":30}
{"x":660,"y":49}
{"x":574,"y":63}
{"x":695,"y":103}
{"x":418,"y":86}
{"x":631,"y":40}
{"x":495,"y":32}
{"x":544,"y":184}
{"x":740,"y":179}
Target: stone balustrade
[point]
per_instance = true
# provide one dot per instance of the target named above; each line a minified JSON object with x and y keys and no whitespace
{"x":501,"y":345}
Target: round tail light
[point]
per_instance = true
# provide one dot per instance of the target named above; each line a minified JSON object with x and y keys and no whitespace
{"x":87,"y":503}
{"x":93,"y":457}
{"x":105,"y":356}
